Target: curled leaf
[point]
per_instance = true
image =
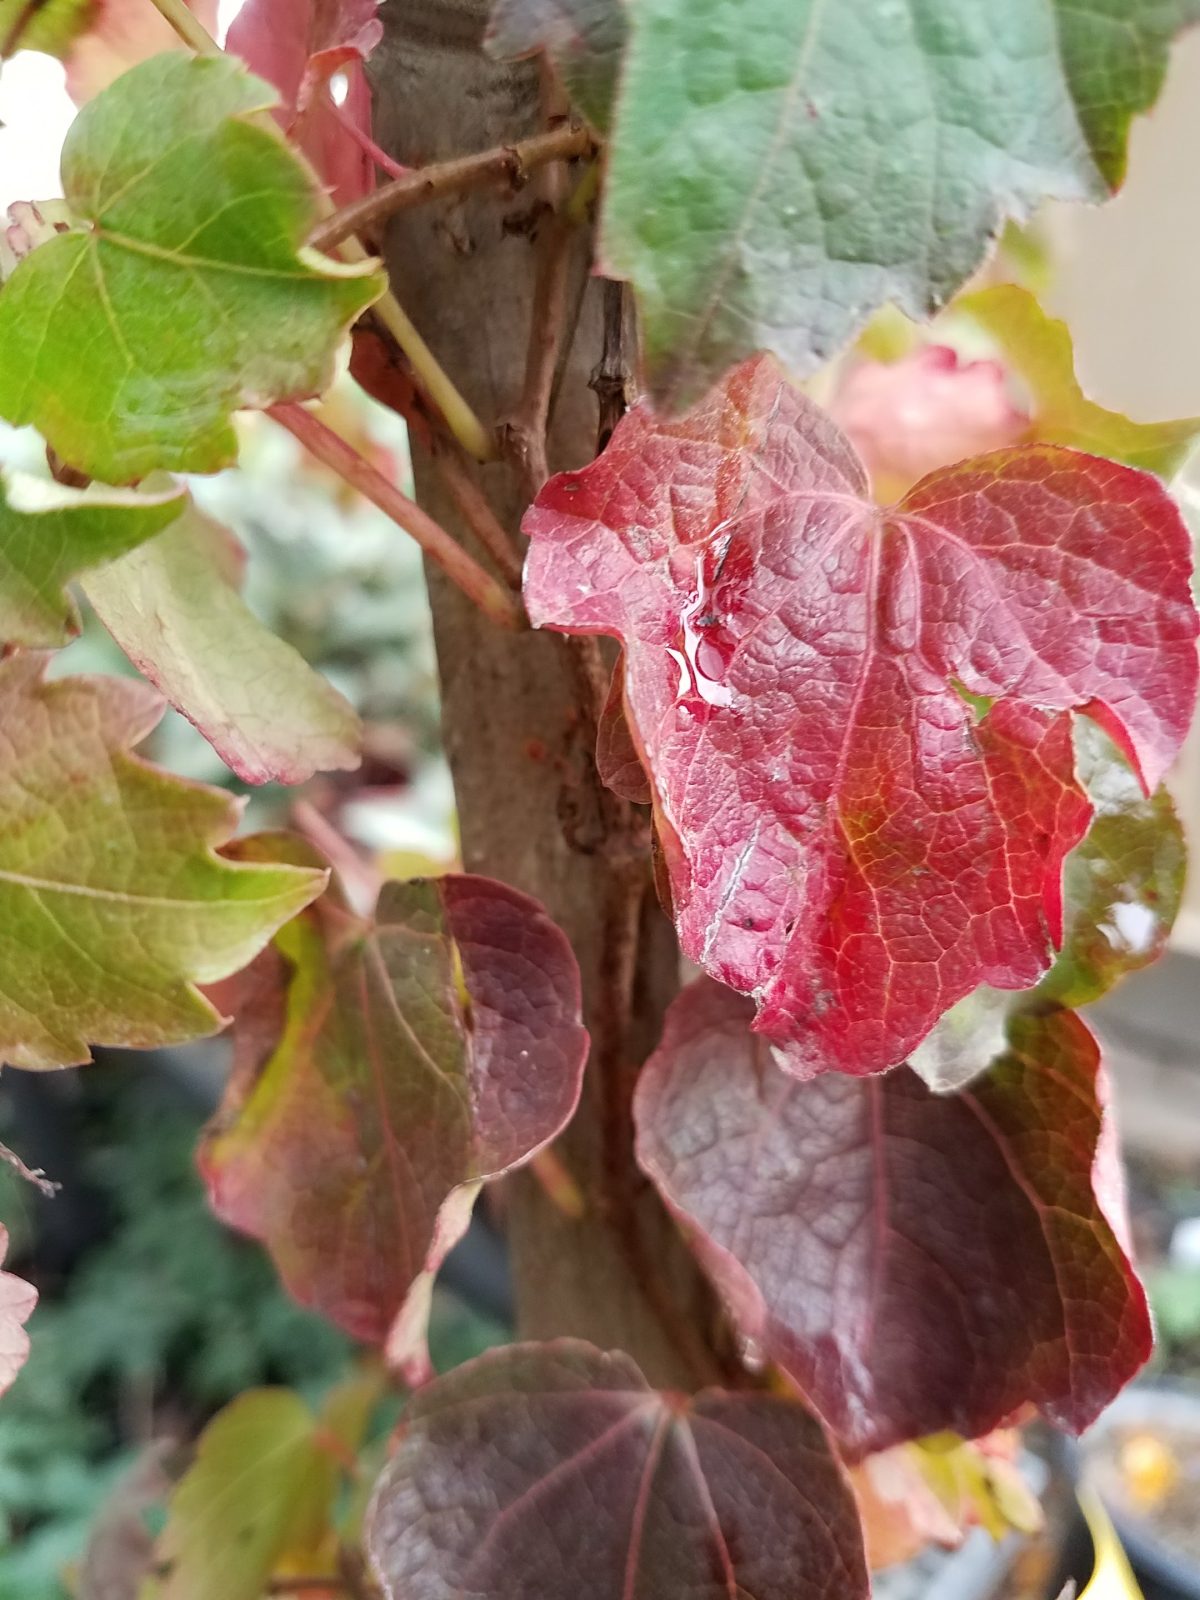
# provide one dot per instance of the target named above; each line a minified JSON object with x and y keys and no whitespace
{"x":175,"y":608}
{"x":114,"y":902}
{"x":918,"y":1263}
{"x":855,"y":720}
{"x":385,"y":1069}
{"x":542,"y":1468}
{"x":189,"y":293}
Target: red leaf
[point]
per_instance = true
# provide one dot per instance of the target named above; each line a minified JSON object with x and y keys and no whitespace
{"x":848,"y":841}
{"x":617,"y":759}
{"x":918,"y":1263}
{"x":17,"y":1300}
{"x":383,"y":1071}
{"x":299,"y":45}
{"x":542,"y":1471}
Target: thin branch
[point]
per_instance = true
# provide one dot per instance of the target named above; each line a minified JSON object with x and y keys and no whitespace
{"x":193,"y":33}
{"x":509,"y":163}
{"x":33,"y":1175}
{"x":475,"y":511}
{"x":478,"y":585}
{"x":610,"y":378}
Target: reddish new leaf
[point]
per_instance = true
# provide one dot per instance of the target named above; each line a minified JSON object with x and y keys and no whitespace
{"x":17,"y":1300}
{"x":850,"y":839}
{"x":918,"y":1263}
{"x":542,"y":1471}
{"x":299,"y":45}
{"x":384,"y":1069}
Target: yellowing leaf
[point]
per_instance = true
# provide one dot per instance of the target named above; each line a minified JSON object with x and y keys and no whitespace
{"x":48,"y":536}
{"x":174,"y":608}
{"x":1038,"y":347}
{"x":113,"y":901}
{"x":262,"y":1485}
{"x":129,"y":342}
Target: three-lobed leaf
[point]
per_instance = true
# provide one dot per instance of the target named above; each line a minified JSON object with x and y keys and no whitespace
{"x":17,"y":1301}
{"x":780,"y":168}
{"x":853,"y":837}
{"x":186,"y":291}
{"x":387,"y":1068}
{"x":585,"y":39}
{"x":175,"y":608}
{"x":113,"y":900}
{"x":918,"y":1263}
{"x":542,"y":1469}
{"x":50,"y":536}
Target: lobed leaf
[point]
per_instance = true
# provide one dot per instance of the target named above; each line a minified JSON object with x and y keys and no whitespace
{"x":17,"y":1300}
{"x":585,"y":38}
{"x":852,"y":836}
{"x":299,"y":45}
{"x":385,"y":1070}
{"x":129,"y":341}
{"x":50,"y":536}
{"x":1038,"y":347}
{"x":781,"y":168}
{"x":113,"y":901}
{"x":539,"y":1469}
{"x":174,"y":607}
{"x":262,"y":1484}
{"x":917,"y":1263}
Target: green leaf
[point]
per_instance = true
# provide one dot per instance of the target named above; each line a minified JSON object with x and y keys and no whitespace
{"x":49,"y":536}
{"x":174,"y":607}
{"x":48,"y":25}
{"x":1038,"y":347}
{"x":780,"y":168}
{"x":129,"y":343}
{"x":1122,"y":885}
{"x":113,"y":901}
{"x":261,"y":1486}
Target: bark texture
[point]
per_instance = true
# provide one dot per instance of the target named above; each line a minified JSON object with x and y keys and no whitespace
{"x":517,"y":734}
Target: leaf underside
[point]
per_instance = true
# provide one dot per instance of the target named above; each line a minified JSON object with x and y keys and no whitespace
{"x":17,"y":1300}
{"x":585,"y":39}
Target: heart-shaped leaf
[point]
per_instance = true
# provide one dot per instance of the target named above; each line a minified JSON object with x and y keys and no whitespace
{"x":386,"y":1069}
{"x":186,"y":292}
{"x":17,"y":1300}
{"x":49,"y":536}
{"x":541,"y":1470}
{"x":113,"y":901}
{"x":780,"y":168}
{"x":585,"y":38}
{"x":918,"y":1263}
{"x":853,"y":836}
{"x":174,"y":607}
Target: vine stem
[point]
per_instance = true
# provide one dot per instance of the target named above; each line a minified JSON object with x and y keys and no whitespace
{"x":495,"y":601}
{"x":419,"y":184}
{"x":458,"y":415}
{"x":189,"y":28}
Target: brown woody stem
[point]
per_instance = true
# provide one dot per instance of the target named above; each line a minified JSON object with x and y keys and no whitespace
{"x":475,"y":510}
{"x":510,"y":162}
{"x":479,"y":586}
